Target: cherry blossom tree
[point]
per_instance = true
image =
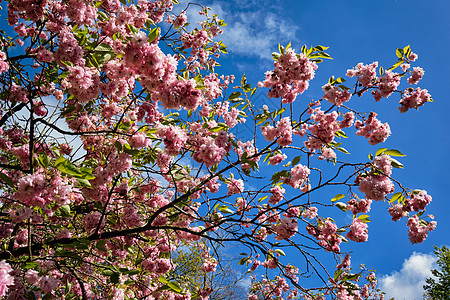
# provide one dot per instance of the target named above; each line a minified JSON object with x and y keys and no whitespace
{"x":117,"y":149}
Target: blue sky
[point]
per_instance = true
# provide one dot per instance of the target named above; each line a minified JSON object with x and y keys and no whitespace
{"x":366,"y":31}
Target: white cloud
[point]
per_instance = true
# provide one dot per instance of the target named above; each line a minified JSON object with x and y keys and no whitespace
{"x":251,"y":32}
{"x":408,"y":282}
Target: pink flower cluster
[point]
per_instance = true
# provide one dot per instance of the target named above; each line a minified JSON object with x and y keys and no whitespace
{"x":416,"y":75}
{"x":84,"y":83}
{"x":384,"y":164}
{"x":236,"y":186}
{"x":387,"y":84}
{"x":418,"y":229}
{"x":325,"y":233}
{"x":358,"y":231}
{"x":335,"y":95}
{"x":180,"y":20}
{"x":323,"y":129}
{"x":310,"y":213}
{"x":373,"y":129}
{"x":276,"y":194}
{"x":91,"y":221}
{"x":375,"y":187}
{"x":276,"y":159}
{"x":366,"y":74}
{"x":414,"y":99}
{"x":5,"y":278}
{"x":209,"y":265}
{"x":282,"y":131}
{"x":4,"y":66}
{"x":30,"y":190}
{"x":298,"y":178}
{"x":417,"y":201}
{"x":174,"y":138}
{"x":290,"y":77}
{"x":210,"y":148}
{"x":285,"y":229}
{"x":361,"y":206}
{"x":272,"y":289}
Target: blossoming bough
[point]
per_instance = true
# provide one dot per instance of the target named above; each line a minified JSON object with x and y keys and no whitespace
{"x":117,"y":147}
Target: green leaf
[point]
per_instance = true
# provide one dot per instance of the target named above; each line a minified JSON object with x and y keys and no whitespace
{"x":342,"y":206}
{"x":296,"y":160}
{"x":7,"y":179}
{"x":44,"y":160}
{"x":243,"y":80}
{"x":234,"y":95}
{"x":320,"y":48}
{"x":337,"y":197}
{"x":243,"y":260}
{"x":107,"y":272}
{"x":407,"y":51}
{"x":320,"y":55}
{"x":65,"y":210}
{"x":281,"y":252}
{"x":100,"y":245}
{"x":103,"y":48}
{"x":364,"y":218}
{"x":277,"y":175}
{"x":281,"y":49}
{"x":153,"y":34}
{"x":396,"y":196}
{"x":340,"y":133}
{"x":175,"y":287}
{"x":394,"y":152}
{"x":262,"y":198}
{"x":114,"y":278}
{"x":340,"y":80}
{"x":380,"y":151}
{"x":399,"y":52}
{"x":225,"y":209}
{"x":127,"y":149}
{"x":395,"y":65}
{"x":48,"y":296}
{"x":343,"y":150}
{"x":30,"y":265}
{"x":69,"y":169}
{"x":396,"y":164}
{"x":84,"y":182}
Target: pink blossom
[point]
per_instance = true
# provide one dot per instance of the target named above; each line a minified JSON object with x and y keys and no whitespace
{"x":419,"y":200}
{"x":4,"y":66}
{"x":416,"y":75}
{"x":366,"y":74}
{"x":418,"y":229}
{"x":375,"y":187}
{"x":414,"y":99}
{"x":285,"y":229}
{"x":209,"y":265}
{"x":310,"y":213}
{"x":236,"y":186}
{"x":397,"y":212}
{"x":358,"y":231}
{"x":335,"y":95}
{"x":5,"y":278}
{"x":361,"y":206}
{"x":180,"y":20}
{"x":374,"y":130}
{"x":276,"y":194}
{"x":275,"y":160}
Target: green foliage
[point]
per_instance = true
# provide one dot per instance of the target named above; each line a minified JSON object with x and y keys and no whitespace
{"x":438,"y":288}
